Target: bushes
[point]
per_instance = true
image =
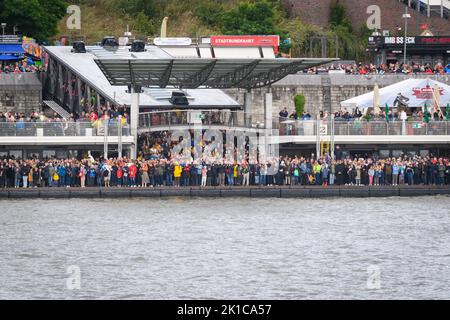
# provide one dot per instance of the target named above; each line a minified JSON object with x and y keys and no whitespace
{"x":299,"y":101}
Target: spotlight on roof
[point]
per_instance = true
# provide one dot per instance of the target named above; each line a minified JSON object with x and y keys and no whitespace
{"x":179,"y":98}
{"x":109,"y":42}
{"x":138,"y":46}
{"x":79,"y":47}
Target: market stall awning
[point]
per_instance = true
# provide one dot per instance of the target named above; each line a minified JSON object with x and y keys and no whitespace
{"x":10,"y":51}
{"x":418,"y":93}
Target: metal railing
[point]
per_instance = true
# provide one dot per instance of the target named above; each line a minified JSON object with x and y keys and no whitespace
{"x":60,"y":129}
{"x":166,"y":120}
{"x":363,"y":128}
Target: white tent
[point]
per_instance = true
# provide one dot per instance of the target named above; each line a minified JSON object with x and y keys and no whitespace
{"x":418,"y":92}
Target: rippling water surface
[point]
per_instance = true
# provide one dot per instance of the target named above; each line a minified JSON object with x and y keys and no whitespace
{"x":226,"y":248}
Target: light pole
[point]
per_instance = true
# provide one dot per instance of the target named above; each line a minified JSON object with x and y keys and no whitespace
{"x":405,"y":16}
{"x":3,"y":27}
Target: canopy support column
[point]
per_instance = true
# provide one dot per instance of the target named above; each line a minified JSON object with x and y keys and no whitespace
{"x":134,"y":118}
{"x":268,"y":108}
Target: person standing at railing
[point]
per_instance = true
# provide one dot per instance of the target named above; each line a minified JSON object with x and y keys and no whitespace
{"x":24,"y":172}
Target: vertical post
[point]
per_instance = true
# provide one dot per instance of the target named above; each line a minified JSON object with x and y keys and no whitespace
{"x":332,"y":136}
{"x":442,"y":8}
{"x":267,"y":119}
{"x":88,"y":97}
{"x":61,"y":83}
{"x":105,"y":138}
{"x":134,"y":115}
{"x":406,"y":34}
{"x":247,"y":106}
{"x":97,"y":101}
{"x":428,"y":8}
{"x":119,"y":137}
{"x":318,"y":136}
{"x":79,"y":95}
{"x":69,"y":90}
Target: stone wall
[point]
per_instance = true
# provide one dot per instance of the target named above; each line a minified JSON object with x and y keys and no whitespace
{"x":322,"y":92}
{"x":20,"y":92}
{"x":318,"y":11}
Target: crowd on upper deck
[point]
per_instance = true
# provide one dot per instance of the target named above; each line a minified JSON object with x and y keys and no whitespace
{"x":19,"y":67}
{"x":391,"y":68}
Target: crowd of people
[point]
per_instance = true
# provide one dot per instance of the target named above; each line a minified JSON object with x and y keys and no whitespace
{"x":283,"y":171}
{"x":19,"y":67}
{"x":416,"y":115}
{"x":39,"y":116}
{"x":391,"y":68}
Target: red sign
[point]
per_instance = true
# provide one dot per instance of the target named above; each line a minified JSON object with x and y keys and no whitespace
{"x":426,"y":93}
{"x":246,"y":41}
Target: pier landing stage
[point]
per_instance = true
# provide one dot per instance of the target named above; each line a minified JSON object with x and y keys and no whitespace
{"x":237,"y":191}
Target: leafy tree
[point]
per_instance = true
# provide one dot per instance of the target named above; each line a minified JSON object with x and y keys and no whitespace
{"x":34,"y":18}
{"x":210,"y":13}
{"x":143,"y":24}
{"x":299,"y":102}
{"x":250,"y":18}
{"x":338,"y":17}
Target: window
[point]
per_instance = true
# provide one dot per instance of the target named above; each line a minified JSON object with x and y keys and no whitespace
{"x":73,"y":153}
{"x":424,"y":153}
{"x":384,"y":153}
{"x":15,"y":153}
{"x":49,"y":153}
{"x":397,"y":153}
{"x":61,"y":154}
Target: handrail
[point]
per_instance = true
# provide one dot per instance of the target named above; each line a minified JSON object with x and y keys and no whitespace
{"x":60,"y":129}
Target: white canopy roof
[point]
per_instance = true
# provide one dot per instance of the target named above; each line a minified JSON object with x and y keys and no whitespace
{"x":418,"y":91}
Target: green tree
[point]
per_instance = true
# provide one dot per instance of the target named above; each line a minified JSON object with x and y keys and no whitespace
{"x":250,"y":18}
{"x":210,"y":13}
{"x":143,"y":24}
{"x":34,"y":18}
{"x":299,"y":102}
{"x":338,"y":17}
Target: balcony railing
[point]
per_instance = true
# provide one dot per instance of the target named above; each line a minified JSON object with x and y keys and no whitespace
{"x":60,"y":129}
{"x":363,"y":128}
{"x":167,"y":120}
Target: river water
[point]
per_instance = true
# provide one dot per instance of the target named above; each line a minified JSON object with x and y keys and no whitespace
{"x":225,"y":248}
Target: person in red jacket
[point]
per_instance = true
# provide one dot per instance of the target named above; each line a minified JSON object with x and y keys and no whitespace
{"x":132,"y":174}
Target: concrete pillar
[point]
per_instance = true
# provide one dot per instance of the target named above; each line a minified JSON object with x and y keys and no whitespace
{"x":79,"y":93}
{"x":134,"y":118}
{"x":70,"y":91}
{"x":97,"y":101}
{"x":89,"y":101}
{"x":268,"y":109}
{"x":248,"y":102}
{"x":60,"y":83}
{"x":248,"y":107}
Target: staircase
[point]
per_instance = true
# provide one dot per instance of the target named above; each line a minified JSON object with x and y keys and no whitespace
{"x":57,"y":108}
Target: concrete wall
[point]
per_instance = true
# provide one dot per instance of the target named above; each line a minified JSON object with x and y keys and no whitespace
{"x":322,"y":92}
{"x":20,"y":92}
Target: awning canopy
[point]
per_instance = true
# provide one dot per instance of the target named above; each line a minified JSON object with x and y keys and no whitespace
{"x":208,"y":73}
{"x":11,"y":48}
{"x":8,"y":57}
{"x":418,"y":93}
{"x":10,"y":51}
